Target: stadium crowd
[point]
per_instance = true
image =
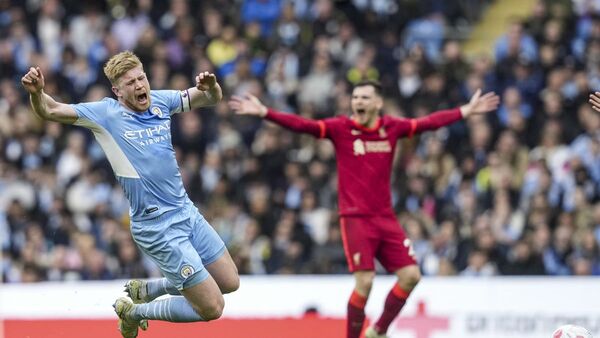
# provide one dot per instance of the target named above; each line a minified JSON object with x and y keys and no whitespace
{"x":513,"y":193}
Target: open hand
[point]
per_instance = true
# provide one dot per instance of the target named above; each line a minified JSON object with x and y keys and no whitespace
{"x":480,"y":104}
{"x":33,"y":81}
{"x":247,"y":105}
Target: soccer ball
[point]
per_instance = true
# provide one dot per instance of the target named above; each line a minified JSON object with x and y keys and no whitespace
{"x":571,"y":331}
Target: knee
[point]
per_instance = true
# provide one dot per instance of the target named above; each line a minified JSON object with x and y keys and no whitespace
{"x":410,"y":279}
{"x":212,"y":310}
{"x":414,"y":278}
{"x":232,"y":285}
{"x":364,"y":282}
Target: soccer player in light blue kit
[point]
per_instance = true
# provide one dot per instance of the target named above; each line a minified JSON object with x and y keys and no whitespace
{"x":135,"y":133}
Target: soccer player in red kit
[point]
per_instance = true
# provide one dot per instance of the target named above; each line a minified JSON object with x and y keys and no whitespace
{"x":364,"y":144}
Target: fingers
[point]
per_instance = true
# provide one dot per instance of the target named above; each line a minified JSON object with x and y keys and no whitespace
{"x":234,"y":105}
{"x":253,"y":99}
{"x":31,"y":77}
{"x":490,"y":98}
{"x":493,"y":99}
{"x":476,"y":96}
{"x":237,"y":107}
{"x":488,"y":94}
{"x":234,"y":102}
{"x":248,"y":96}
{"x":247,"y":104}
{"x":595,"y":99}
{"x":205,"y":81}
{"x":40,"y":74}
{"x":34,"y":73}
{"x":203,"y":76}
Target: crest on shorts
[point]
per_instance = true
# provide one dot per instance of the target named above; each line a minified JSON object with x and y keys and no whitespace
{"x":356,"y":258}
{"x":186,"y":271}
{"x":156,"y":111}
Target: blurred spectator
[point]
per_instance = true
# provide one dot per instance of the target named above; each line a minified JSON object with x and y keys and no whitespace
{"x":222,"y":50}
{"x":314,"y":88}
{"x":479,"y":265}
{"x":264,"y":12}
{"x":428,"y":32}
{"x":516,"y":43}
{"x":522,"y":261}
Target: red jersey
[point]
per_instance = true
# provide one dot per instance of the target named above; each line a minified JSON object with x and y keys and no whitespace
{"x":364,"y":156}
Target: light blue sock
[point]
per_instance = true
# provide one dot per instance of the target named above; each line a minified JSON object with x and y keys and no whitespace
{"x":159,"y":287}
{"x":173,"y":309}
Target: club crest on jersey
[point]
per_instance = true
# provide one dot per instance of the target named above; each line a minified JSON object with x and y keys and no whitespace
{"x":359,"y":147}
{"x":156,"y":111}
{"x":382,"y":133}
{"x":356,"y":258}
{"x":186,"y":271}
{"x":355,"y":132}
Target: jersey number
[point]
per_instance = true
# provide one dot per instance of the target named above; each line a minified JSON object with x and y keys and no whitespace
{"x":408,"y":245}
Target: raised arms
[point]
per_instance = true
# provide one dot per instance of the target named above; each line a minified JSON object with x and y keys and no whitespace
{"x":43,"y":105}
{"x":250,"y":105}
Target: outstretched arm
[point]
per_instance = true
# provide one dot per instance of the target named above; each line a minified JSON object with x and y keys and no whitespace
{"x":207,"y":91}
{"x":43,"y":105}
{"x":250,"y":105}
{"x":477,"y":105}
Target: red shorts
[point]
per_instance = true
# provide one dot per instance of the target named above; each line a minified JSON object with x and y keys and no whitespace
{"x":381,"y":237}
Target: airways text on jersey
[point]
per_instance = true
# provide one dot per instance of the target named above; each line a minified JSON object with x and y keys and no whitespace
{"x":151,"y":135}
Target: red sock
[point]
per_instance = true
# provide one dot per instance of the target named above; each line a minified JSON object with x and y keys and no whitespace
{"x":393,"y":304}
{"x":356,"y":315}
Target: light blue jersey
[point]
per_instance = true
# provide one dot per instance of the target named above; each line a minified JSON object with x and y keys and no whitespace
{"x":164,"y":222}
{"x":139,"y":149}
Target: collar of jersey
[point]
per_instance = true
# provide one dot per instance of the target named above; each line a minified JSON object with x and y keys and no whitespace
{"x":367,"y":129}
{"x":144,"y":115}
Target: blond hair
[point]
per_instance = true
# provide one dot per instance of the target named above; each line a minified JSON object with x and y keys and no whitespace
{"x":120,"y":64}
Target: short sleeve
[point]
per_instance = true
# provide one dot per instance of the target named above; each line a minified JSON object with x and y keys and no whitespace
{"x":177,"y":101}
{"x":94,"y":112}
